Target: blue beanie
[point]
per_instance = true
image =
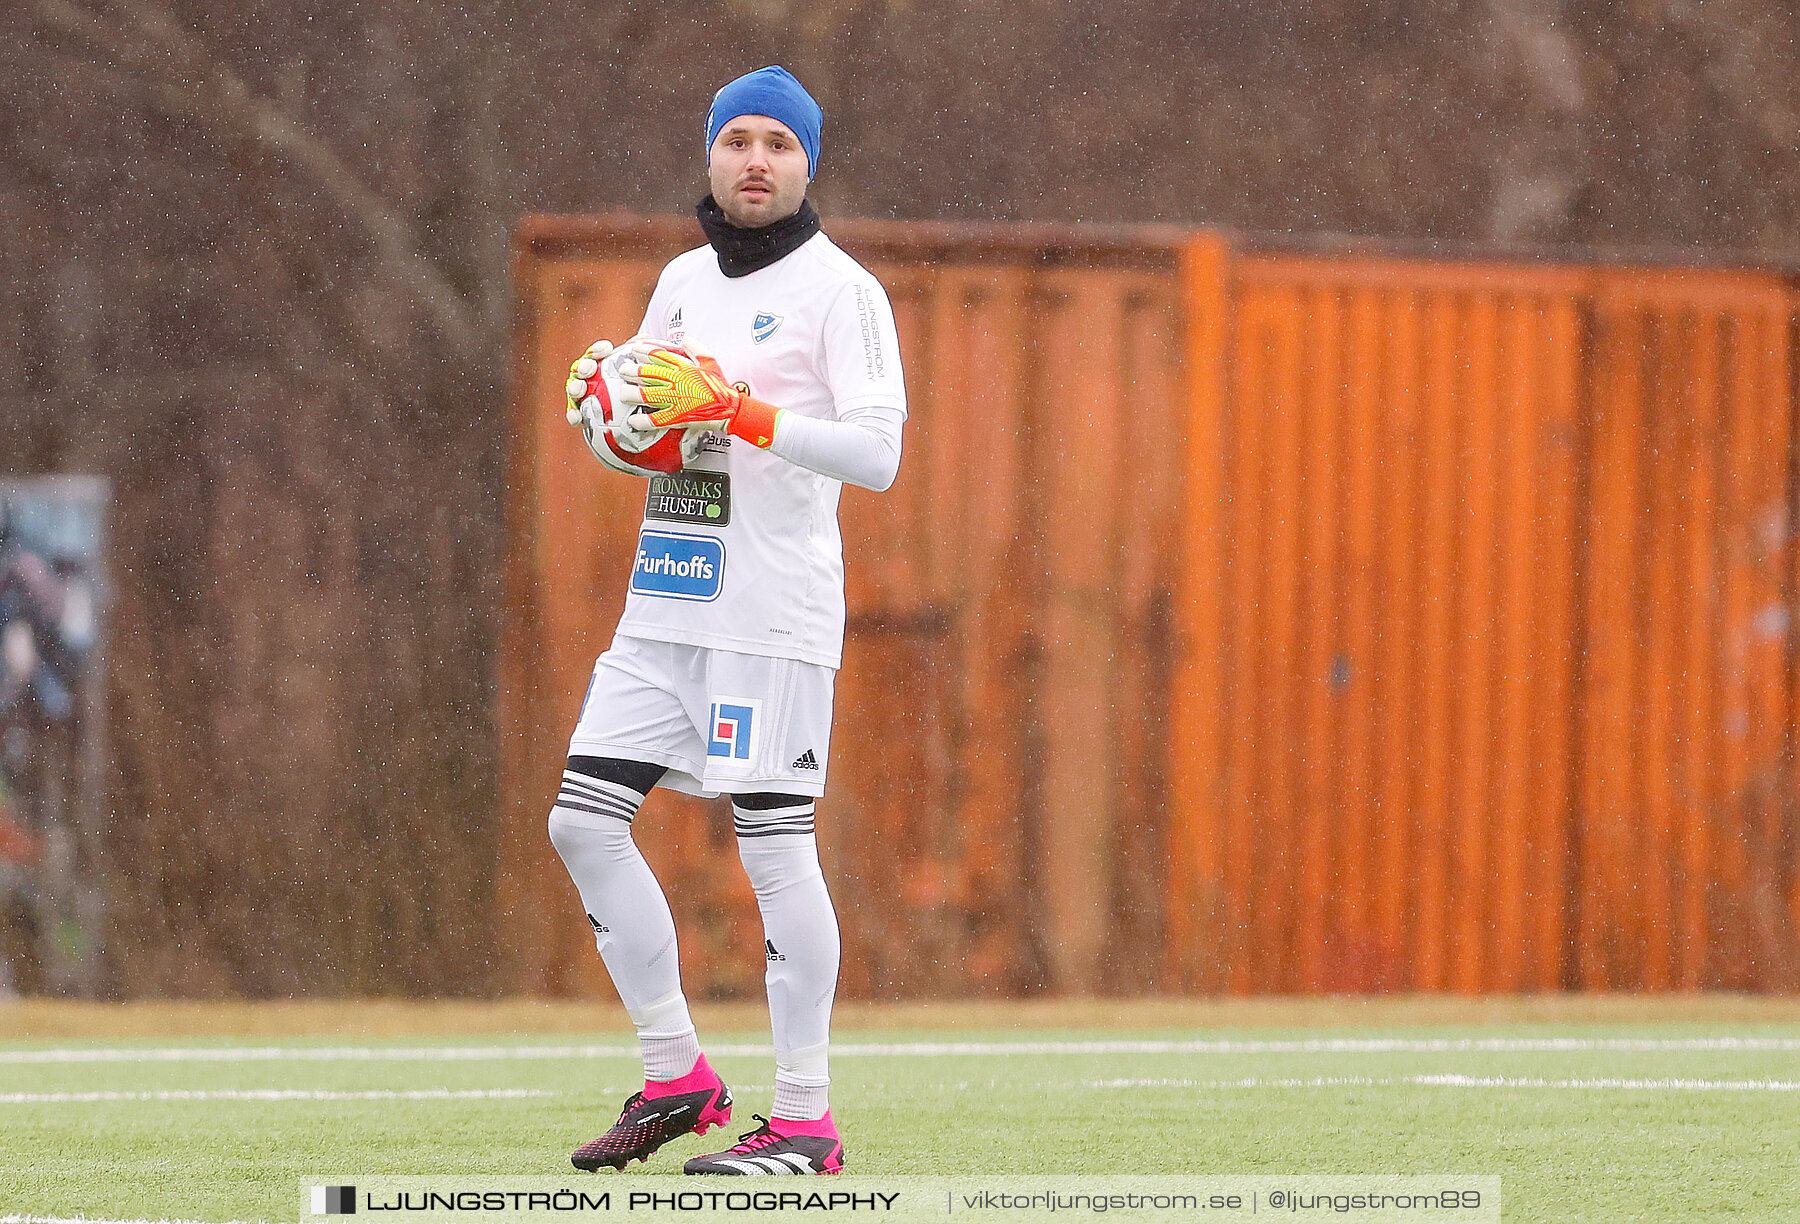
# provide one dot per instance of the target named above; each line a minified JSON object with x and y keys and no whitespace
{"x":774,"y":92}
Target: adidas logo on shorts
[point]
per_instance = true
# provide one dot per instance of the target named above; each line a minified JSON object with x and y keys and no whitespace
{"x":806,"y":761}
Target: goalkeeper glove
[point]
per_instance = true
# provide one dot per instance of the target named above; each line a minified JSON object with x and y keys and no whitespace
{"x":678,"y":390}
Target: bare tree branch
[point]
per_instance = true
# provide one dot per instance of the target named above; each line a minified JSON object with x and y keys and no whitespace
{"x":1749,"y":60}
{"x":1539,"y":177}
{"x":487,"y":171}
{"x":193,"y":84}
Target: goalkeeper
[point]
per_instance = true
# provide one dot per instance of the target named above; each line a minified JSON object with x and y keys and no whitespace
{"x":772,"y":355}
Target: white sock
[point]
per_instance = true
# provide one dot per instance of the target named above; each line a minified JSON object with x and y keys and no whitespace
{"x":666,"y":1039}
{"x":781,"y":856}
{"x":590,"y":826}
{"x":802,"y":1083}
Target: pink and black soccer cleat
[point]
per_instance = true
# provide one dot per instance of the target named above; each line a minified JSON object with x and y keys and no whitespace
{"x":696,"y":1103}
{"x":779,"y":1147}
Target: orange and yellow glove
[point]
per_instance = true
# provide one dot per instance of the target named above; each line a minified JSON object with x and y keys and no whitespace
{"x":683,"y":391}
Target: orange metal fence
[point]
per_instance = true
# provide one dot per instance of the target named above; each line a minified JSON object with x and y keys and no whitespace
{"x":1488,"y":679}
{"x":1240,"y":621}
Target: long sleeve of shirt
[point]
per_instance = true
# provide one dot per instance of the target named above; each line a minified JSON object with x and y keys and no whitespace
{"x":863,"y":448}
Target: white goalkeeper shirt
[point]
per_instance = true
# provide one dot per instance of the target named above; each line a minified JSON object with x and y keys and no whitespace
{"x":741,"y":551}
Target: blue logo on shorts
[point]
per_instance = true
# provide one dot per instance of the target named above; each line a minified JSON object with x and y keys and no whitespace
{"x":674,"y":565}
{"x":731,"y":727}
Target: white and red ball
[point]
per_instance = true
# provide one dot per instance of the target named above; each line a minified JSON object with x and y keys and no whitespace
{"x":596,"y":392}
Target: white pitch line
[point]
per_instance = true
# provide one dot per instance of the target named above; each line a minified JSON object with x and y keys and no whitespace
{"x":1679,"y":1085}
{"x":1322,"y":1081}
{"x":1325,"y":1045}
{"x":916,"y":1049}
{"x":277,"y":1094}
{"x":1463,"y":1081}
{"x":316,"y":1053}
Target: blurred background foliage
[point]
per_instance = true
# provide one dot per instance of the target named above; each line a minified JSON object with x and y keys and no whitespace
{"x":257,"y":274}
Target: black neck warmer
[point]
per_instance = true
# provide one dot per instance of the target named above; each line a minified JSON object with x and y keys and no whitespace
{"x":742,"y":251}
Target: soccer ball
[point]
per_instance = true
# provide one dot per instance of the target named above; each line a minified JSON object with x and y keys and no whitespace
{"x":596,"y":403}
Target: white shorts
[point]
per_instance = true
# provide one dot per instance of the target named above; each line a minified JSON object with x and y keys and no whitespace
{"x":721,"y":722}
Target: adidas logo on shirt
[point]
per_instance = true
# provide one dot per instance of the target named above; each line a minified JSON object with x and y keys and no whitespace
{"x":772,"y":954}
{"x":806,"y":761}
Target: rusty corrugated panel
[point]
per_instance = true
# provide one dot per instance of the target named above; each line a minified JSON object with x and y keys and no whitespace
{"x":1609,"y":793}
{"x":1789,"y":570}
{"x":1151,"y":479}
{"x":1394,"y":520}
{"x":1359,"y":960}
{"x":1317,"y":585}
{"x":1079,"y":335}
{"x":1700,"y":567}
{"x":1196,"y":953}
{"x":1555,"y":565}
{"x":1439,"y":701}
{"x":990,"y":308}
{"x":1688,"y":685}
{"x":1396,"y":612}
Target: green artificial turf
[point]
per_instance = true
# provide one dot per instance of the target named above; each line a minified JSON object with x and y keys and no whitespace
{"x":1656,"y":1152}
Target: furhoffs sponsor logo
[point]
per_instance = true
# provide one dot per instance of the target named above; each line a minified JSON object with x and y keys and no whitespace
{"x":675,"y":565}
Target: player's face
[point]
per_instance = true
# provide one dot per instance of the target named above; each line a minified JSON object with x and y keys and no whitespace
{"x":758,"y":171}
